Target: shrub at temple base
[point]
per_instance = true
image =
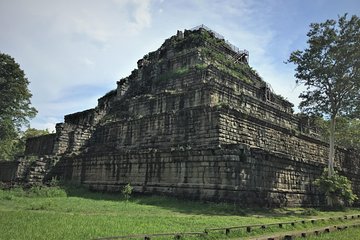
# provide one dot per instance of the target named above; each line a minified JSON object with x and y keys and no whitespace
{"x":336,"y":188}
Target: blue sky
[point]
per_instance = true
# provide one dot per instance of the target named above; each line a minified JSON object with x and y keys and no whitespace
{"x":73,"y":52}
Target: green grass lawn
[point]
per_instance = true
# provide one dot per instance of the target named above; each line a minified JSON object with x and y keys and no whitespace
{"x":79,"y":214}
{"x":348,"y":234}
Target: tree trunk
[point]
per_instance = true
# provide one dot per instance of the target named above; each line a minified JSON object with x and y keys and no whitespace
{"x":331,"y":156}
{"x":332,"y":147}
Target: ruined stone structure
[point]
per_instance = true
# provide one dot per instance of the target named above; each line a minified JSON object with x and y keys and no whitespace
{"x":195,"y":120}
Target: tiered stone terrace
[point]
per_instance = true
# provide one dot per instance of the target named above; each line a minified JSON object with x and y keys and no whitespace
{"x":194,"y":121}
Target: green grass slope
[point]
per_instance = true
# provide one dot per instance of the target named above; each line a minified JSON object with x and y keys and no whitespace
{"x":55,"y":213}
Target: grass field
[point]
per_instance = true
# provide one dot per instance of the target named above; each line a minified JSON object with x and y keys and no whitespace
{"x":54,"y":213}
{"x":349,"y":234}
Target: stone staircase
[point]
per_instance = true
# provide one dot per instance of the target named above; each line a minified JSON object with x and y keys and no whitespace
{"x":37,"y":171}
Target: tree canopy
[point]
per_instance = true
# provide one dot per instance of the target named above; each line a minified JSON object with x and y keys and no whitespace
{"x":15,"y":104}
{"x":347,"y":132}
{"x":329,"y":68}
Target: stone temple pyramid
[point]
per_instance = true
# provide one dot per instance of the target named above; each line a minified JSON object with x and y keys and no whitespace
{"x":193,"y":120}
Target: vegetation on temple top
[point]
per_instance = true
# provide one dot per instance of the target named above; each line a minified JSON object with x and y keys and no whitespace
{"x":197,"y":38}
{"x":226,"y":64}
{"x":213,"y":52}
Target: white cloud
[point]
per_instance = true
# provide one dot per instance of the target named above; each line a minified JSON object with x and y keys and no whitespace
{"x":47,"y":123}
{"x":142,"y":13}
{"x":88,"y":62}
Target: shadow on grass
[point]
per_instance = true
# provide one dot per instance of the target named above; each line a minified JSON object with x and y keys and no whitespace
{"x":186,"y":206}
{"x":192,"y":206}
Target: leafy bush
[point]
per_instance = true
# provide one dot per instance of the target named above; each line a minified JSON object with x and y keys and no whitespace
{"x":33,"y":192}
{"x":309,"y":212}
{"x":336,"y":188}
{"x":10,"y":194}
{"x":54,"y":182}
{"x":44,"y":191}
{"x":127,"y":191}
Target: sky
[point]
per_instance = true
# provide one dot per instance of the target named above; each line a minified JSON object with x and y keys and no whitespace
{"x":74,"y":51}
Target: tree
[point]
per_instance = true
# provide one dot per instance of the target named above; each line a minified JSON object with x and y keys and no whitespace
{"x":329,"y":68}
{"x":347,"y":132}
{"x":15,"y":104}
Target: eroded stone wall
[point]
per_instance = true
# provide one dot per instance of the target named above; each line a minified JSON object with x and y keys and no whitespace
{"x":41,"y":145}
{"x":75,"y":132}
{"x":247,"y":176}
{"x":228,"y":173}
{"x":8,"y":171}
{"x":192,"y":127}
